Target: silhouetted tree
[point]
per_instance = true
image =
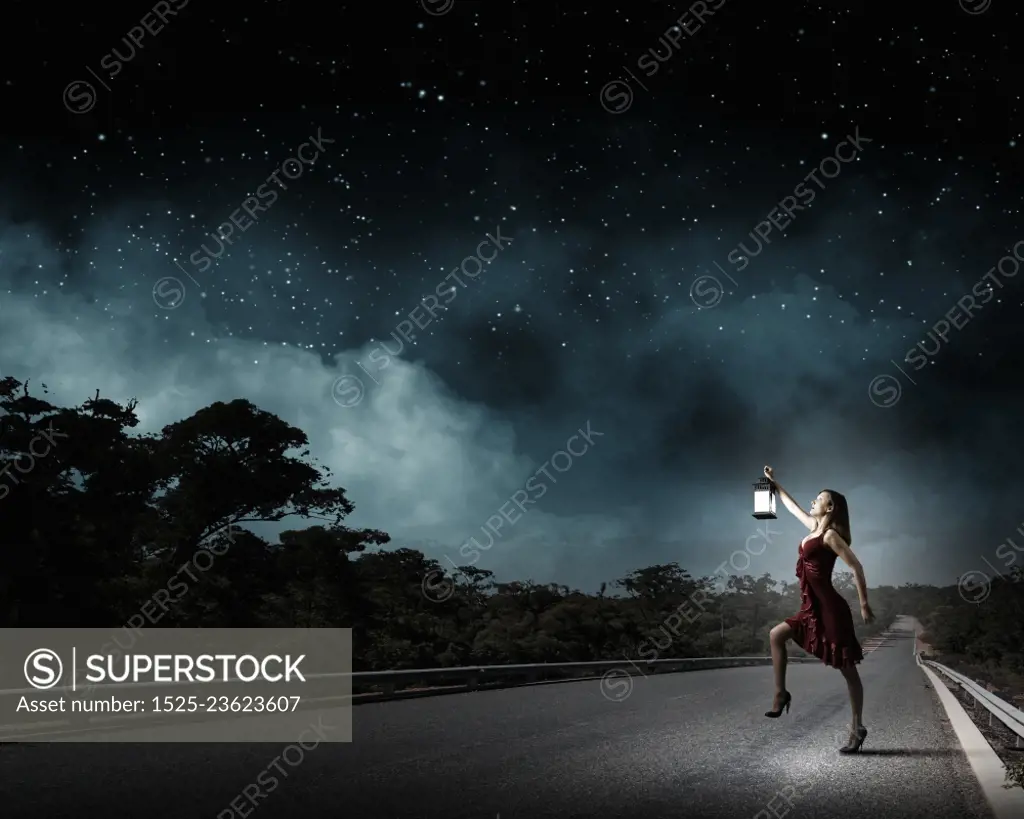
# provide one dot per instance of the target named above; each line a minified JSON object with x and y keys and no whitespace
{"x":96,"y":520}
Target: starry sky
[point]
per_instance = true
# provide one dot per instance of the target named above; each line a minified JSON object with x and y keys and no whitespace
{"x":444,"y":237}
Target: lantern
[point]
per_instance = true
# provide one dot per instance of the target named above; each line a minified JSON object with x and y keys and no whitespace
{"x":764,"y":500}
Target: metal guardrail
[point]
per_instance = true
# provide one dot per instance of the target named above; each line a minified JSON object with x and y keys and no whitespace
{"x":469,"y":673}
{"x":440,"y":680}
{"x":476,"y":676}
{"x":1000,"y":709}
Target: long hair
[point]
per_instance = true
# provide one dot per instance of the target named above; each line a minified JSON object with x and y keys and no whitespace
{"x":839,"y":517}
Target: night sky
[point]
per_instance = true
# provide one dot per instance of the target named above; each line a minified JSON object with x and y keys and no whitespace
{"x":676,"y":258}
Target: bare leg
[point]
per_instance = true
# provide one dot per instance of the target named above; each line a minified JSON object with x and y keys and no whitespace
{"x":779,"y":635}
{"x":856,"y":688}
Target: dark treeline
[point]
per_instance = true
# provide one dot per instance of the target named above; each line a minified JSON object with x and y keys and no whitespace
{"x":99,"y":523}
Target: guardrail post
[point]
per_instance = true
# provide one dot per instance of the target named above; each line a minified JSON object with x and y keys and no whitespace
{"x":474,"y":682}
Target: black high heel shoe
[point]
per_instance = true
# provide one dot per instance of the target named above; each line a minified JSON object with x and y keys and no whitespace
{"x":856,"y":740}
{"x":787,"y":698}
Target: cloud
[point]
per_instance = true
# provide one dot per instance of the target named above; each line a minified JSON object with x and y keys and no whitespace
{"x":691,"y":402}
{"x":412,"y":456}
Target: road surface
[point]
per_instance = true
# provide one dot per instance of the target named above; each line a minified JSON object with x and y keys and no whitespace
{"x":686,"y":746}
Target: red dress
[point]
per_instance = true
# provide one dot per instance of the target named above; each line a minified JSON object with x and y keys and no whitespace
{"x":824,"y":625}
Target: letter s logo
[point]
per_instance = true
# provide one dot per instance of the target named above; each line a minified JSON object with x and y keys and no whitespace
{"x":43,"y":668}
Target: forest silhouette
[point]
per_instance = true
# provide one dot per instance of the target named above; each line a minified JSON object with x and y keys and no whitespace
{"x":101,"y":523}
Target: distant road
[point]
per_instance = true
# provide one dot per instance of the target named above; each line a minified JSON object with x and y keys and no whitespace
{"x":680,"y":746}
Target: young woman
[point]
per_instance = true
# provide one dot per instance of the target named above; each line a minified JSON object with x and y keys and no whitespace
{"x":824,"y":625}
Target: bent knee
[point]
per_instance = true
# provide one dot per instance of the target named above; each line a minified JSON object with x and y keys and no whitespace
{"x":781,"y":632}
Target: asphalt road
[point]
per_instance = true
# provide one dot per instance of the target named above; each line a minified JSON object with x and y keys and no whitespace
{"x":691,"y":745}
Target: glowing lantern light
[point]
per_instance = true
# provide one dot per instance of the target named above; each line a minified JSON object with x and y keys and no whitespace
{"x":764,"y":500}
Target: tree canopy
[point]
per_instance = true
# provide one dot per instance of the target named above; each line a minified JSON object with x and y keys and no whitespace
{"x":99,"y":519}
